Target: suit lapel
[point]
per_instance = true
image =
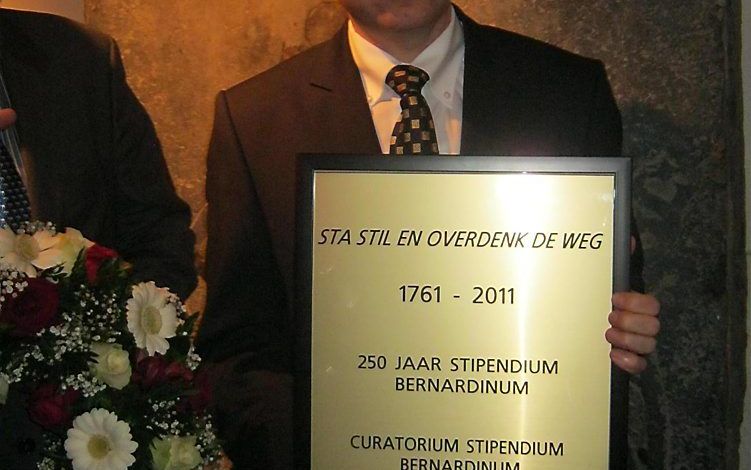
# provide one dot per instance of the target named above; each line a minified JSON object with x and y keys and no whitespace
{"x":484,"y":115}
{"x":337,"y":107}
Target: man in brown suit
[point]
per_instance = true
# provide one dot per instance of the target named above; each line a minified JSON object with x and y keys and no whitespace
{"x":518,"y":96}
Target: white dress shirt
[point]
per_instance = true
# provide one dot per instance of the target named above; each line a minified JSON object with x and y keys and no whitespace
{"x":443,"y":60}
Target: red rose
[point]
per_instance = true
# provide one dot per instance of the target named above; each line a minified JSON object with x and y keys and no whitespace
{"x":201,"y":400}
{"x":199,"y":395}
{"x":50,"y":409}
{"x":95,"y":256}
{"x":150,"y":372}
{"x":33,"y":309}
{"x":177,"y":371}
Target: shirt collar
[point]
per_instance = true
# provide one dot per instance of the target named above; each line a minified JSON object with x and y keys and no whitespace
{"x":441,"y":59}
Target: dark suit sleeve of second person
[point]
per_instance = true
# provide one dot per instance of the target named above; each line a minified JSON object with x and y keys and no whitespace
{"x":153,"y":223}
{"x":604,"y":132}
{"x":245,"y":299}
{"x":240,"y":335}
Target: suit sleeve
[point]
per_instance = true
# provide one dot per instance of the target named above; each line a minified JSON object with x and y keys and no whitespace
{"x":604,"y":132}
{"x":153,"y":223}
{"x":240,"y":335}
{"x":245,"y":301}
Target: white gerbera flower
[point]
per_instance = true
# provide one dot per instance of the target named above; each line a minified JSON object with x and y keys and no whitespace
{"x":26,"y":252}
{"x":99,"y":441}
{"x":152,"y":318}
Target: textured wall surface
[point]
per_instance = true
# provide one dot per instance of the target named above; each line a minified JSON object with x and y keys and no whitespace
{"x":179,"y":53}
{"x":72,"y":9}
{"x":746,"y":67}
{"x":671,"y":66}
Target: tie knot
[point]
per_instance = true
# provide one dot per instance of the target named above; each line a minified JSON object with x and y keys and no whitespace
{"x":407,"y":79}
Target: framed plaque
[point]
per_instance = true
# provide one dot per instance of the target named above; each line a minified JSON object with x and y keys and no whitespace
{"x":451,"y":312}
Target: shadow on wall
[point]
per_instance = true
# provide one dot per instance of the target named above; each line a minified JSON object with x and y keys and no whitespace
{"x":680,"y":193}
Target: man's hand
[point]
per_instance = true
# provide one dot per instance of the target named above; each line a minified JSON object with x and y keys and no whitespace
{"x":7,"y":118}
{"x":635,"y":326}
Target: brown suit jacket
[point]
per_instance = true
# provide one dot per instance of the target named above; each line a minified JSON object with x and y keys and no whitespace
{"x":521,"y":97}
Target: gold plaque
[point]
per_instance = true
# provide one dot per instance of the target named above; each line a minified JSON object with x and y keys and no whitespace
{"x":457,"y":309}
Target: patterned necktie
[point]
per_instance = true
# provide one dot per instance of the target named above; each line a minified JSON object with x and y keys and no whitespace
{"x":14,"y":204}
{"x":414,"y":134}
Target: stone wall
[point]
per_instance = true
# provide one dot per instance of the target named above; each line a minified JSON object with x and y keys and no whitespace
{"x":72,"y":9}
{"x":671,"y":64}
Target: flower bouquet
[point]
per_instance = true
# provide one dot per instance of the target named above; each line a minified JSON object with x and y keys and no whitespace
{"x":107,"y":366}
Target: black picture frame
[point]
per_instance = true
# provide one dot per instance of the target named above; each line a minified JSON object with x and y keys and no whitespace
{"x":310,"y":164}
